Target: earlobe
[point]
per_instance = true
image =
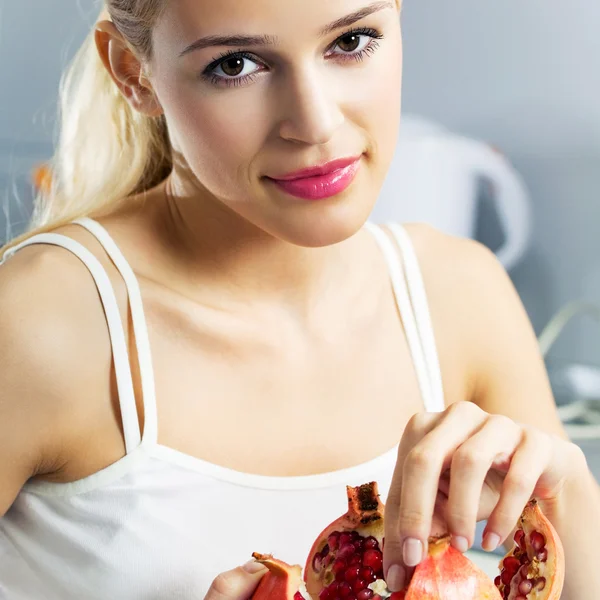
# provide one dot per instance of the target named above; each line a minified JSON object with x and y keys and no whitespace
{"x":125,"y":69}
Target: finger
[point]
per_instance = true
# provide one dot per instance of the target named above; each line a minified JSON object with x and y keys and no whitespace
{"x":415,"y":483}
{"x":237,"y":584}
{"x":470,"y":465}
{"x":529,"y":462}
{"x":418,"y":426}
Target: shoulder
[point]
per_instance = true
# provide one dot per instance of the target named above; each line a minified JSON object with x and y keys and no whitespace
{"x":53,"y":347}
{"x":482,"y":325}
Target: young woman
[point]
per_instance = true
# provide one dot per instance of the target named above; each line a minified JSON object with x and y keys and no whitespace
{"x":204,"y":341}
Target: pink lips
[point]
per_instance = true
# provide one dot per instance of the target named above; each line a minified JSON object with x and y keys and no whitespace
{"x":318,"y":183}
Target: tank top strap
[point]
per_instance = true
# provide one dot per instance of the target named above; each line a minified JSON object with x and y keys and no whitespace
{"x":125,"y":389}
{"x":140,"y":327}
{"x":425,"y":361}
{"x":420,"y":304}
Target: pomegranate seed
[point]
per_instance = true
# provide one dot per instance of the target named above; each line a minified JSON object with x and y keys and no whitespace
{"x":542,"y":555}
{"x":327,"y":594}
{"x":346,"y":551}
{"x":373,"y":559}
{"x":365,"y":594}
{"x":498,"y":581}
{"x":298,"y":596}
{"x":338,"y":566}
{"x":317,"y":562}
{"x":371,"y":543}
{"x":540,"y":583}
{"x":351,"y":574}
{"x":520,"y":539}
{"x":368,"y":574}
{"x":345,"y":591}
{"x":506,"y":577}
{"x":525,"y":587}
{"x":359,"y":585}
{"x":345,"y":538}
{"x":355,"y":560}
{"x":333,"y":540}
{"x":538,"y":541}
{"x":511,"y":564}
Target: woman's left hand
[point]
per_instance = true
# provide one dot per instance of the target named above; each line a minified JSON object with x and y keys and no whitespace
{"x":462,"y":466}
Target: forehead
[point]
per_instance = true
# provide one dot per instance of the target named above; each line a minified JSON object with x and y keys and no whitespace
{"x":184,"y":20}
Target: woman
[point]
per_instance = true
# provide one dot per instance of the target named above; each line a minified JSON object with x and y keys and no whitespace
{"x":165,"y":414}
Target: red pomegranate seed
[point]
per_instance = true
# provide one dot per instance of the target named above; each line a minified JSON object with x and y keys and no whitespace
{"x":359,"y":585}
{"x":368,"y":574}
{"x":346,"y":551}
{"x":338,"y":566}
{"x":365,"y":594}
{"x":520,"y":539}
{"x":298,"y":596}
{"x":538,"y":541}
{"x":328,"y":593}
{"x":511,"y":564}
{"x":345,"y":538}
{"x":542,"y":555}
{"x":351,"y":574}
{"x":371,"y":543}
{"x":373,"y":559}
{"x":506,"y":577}
{"x":355,"y":561}
{"x":498,"y":581}
{"x":333,"y":540}
{"x":540,"y":583}
{"x":525,"y":587}
{"x":345,"y":591}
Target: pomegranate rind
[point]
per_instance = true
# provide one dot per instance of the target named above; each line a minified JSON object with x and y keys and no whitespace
{"x":553,"y":569}
{"x":364,"y":515}
{"x":281,"y":582}
{"x":446,"y":573}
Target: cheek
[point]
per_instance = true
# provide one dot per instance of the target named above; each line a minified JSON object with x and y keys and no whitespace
{"x":218,"y":133}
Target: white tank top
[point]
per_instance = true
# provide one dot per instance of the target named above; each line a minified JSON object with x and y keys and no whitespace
{"x":159,"y":524}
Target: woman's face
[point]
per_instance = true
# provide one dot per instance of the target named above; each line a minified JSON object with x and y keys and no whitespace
{"x":254,"y":92}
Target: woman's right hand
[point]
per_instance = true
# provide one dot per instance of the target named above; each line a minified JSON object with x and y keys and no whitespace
{"x":237,"y":584}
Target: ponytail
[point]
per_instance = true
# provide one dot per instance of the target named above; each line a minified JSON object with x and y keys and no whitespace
{"x":106,"y":150}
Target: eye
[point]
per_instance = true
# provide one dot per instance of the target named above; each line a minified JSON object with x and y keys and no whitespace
{"x":234,"y":67}
{"x":353,"y":42}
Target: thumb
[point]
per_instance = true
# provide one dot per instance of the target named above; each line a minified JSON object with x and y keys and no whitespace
{"x":237,"y":584}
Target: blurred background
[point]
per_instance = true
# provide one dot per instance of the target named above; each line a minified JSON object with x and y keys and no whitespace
{"x":500,"y":142}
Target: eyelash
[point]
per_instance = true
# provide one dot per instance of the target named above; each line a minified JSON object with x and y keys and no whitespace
{"x":218,"y":80}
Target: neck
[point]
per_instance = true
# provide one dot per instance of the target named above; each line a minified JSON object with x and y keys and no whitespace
{"x":220,"y":254}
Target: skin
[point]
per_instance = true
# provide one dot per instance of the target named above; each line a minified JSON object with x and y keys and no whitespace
{"x":258,"y":286}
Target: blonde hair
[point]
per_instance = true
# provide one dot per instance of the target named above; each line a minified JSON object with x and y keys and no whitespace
{"x":106,"y":150}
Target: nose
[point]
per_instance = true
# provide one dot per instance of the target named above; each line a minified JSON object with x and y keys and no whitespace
{"x":310,"y":110}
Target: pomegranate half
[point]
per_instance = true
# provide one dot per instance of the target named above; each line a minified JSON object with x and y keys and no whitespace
{"x":346,"y":563}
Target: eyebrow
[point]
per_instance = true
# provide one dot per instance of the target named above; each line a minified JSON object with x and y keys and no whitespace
{"x":269,"y":40}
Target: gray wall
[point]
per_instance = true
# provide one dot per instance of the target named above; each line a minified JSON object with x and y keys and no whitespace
{"x":525,"y":75}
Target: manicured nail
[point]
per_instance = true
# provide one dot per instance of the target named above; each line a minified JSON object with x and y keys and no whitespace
{"x":460,"y":543}
{"x":412,"y":552}
{"x":253,"y":566}
{"x":395,"y":578}
{"x":490,"y":542}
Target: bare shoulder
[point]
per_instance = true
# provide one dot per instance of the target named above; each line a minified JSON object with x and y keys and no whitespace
{"x":481,"y":322}
{"x":53,"y":341}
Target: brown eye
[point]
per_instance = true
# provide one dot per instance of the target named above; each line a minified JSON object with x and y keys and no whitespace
{"x":350,"y":42}
{"x":234,"y":66}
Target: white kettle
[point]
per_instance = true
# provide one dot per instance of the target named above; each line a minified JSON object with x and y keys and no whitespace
{"x":433,"y":179}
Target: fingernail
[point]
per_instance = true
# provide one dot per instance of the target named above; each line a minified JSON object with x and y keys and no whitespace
{"x":490,"y":542}
{"x":412,"y":552}
{"x":395,"y":578}
{"x":253,"y":566}
{"x":460,"y":543}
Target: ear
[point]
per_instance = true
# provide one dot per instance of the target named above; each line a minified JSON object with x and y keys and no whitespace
{"x":126,"y":69}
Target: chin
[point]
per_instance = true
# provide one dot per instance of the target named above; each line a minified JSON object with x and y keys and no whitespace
{"x":323,"y":223}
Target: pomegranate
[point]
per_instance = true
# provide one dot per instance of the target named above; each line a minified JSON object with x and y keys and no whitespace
{"x":346,"y":563}
{"x":534,"y":568}
{"x":282,"y":582}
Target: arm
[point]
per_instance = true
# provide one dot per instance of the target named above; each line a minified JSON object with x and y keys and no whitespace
{"x":510,"y":379}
